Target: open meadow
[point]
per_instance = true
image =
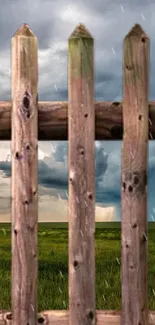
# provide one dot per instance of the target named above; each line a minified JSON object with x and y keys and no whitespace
{"x":53,"y":266}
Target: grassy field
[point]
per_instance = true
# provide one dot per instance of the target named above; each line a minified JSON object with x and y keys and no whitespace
{"x":53,"y":266}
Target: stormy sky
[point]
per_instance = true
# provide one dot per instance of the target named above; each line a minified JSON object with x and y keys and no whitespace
{"x":53,"y":22}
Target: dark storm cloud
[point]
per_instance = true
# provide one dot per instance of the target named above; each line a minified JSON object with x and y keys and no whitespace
{"x":6,"y":168}
{"x":104,"y":77}
{"x":61,"y":151}
{"x":50,"y":175}
{"x":100,"y":162}
{"x":15,"y":13}
{"x":54,"y":177}
{"x":53,"y":173}
{"x":109,"y":26}
{"x":100,"y":6}
{"x":109,"y":197}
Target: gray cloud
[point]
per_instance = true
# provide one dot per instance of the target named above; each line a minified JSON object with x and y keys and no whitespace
{"x":53,"y":22}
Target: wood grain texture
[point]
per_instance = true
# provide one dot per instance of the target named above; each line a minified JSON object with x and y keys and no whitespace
{"x":134,"y":178}
{"x":24,"y":176}
{"x":53,"y":120}
{"x":81,"y":120}
{"x":61,"y":317}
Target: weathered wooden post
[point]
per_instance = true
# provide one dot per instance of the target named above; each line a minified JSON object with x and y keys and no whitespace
{"x":81,"y":121}
{"x":134,"y":178}
{"x":24,"y":176}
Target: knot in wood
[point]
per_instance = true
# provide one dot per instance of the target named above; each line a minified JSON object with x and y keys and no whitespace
{"x":71,"y":176}
{"x":9,"y":316}
{"x":76,"y":264}
{"x":134,"y":225}
{"x":90,"y":196}
{"x":18,"y":155}
{"x":40,"y":320}
{"x":129,"y":67}
{"x":28,"y":146}
{"x":81,"y":151}
{"x":15,"y":231}
{"x":134,"y":183}
{"x":115,"y":104}
{"x":26,"y":109}
{"x":26,"y":101}
{"x":90,"y":314}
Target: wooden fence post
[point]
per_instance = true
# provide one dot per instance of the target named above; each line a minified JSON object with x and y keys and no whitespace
{"x":81,"y":121}
{"x":134,"y":178}
{"x":24,"y":176}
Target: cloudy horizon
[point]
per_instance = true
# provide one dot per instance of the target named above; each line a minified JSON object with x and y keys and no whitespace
{"x":52,"y":22}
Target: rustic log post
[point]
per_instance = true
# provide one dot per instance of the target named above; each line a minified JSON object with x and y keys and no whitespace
{"x":81,"y":122}
{"x":61,"y":317}
{"x":24,"y":176}
{"x":134,"y":178}
{"x":53,"y":121}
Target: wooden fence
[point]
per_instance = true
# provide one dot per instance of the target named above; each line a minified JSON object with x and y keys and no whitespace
{"x":81,"y":121}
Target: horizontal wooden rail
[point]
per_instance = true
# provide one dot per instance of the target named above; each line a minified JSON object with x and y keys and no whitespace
{"x":53,"y":121}
{"x":61,"y":317}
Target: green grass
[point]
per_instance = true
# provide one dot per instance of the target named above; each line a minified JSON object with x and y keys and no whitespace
{"x":53,"y":267}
